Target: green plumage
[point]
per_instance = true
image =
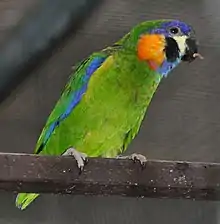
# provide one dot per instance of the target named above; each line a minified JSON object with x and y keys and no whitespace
{"x":110,"y":111}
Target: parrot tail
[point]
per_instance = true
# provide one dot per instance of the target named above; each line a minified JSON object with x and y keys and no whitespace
{"x":24,"y":199}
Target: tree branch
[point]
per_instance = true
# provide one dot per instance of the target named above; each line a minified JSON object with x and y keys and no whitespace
{"x":160,"y":179}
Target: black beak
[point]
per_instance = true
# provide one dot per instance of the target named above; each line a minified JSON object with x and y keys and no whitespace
{"x":191,"y":50}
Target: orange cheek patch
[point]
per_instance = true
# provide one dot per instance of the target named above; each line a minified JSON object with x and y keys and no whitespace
{"x":150,"y":48}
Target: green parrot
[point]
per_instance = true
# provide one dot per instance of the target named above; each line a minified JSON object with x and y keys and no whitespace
{"x":105,"y":100}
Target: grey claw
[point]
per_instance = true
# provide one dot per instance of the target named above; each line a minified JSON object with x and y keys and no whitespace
{"x":138,"y":157}
{"x":81,"y":158}
{"x":135,"y":157}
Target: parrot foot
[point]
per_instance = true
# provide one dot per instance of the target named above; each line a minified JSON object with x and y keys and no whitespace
{"x":135,"y":157}
{"x":81,"y":158}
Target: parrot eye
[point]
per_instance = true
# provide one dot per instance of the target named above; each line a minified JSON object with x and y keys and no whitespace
{"x":174,"y":30}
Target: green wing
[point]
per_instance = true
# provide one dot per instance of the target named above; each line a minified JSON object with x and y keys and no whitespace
{"x":70,"y":97}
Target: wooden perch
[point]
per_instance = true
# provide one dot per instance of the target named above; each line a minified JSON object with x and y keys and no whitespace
{"x":160,"y":179}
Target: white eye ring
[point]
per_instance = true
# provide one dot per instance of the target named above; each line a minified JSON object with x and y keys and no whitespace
{"x":174,"y":30}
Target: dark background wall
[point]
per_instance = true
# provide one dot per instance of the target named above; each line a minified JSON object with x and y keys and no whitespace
{"x":183,"y":121}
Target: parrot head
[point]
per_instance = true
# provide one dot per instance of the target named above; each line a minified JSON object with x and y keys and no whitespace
{"x":163,"y":44}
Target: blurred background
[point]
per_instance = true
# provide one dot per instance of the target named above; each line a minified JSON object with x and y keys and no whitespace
{"x":183,"y":121}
